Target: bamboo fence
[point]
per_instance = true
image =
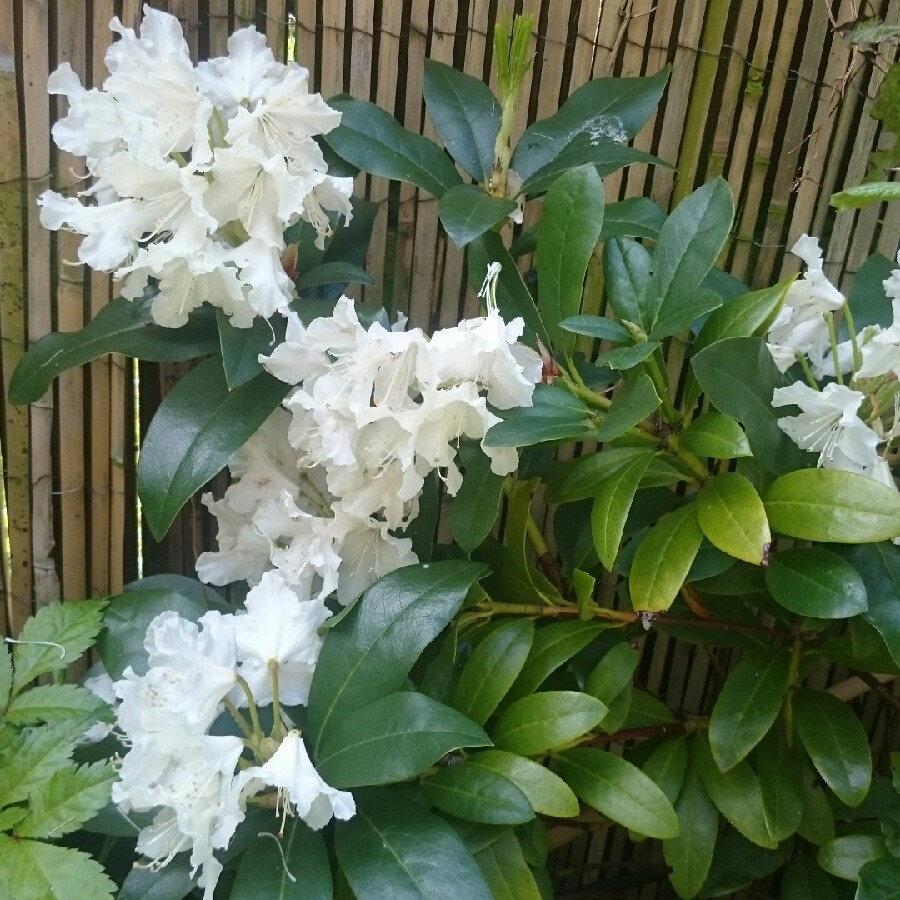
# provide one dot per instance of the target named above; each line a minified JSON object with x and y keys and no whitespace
{"x":764,"y":92}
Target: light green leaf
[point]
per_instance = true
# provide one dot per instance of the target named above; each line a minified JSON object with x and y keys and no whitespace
{"x":492,"y":668}
{"x":733,"y":517}
{"x":33,"y":870}
{"x":394,"y":848}
{"x":612,"y":504}
{"x":664,"y":558}
{"x":194,"y":433}
{"x":53,"y":637}
{"x":690,"y":853}
{"x":832,"y":505}
{"x":861,"y":195}
{"x":814,"y":582}
{"x":508,"y":875}
{"x":666,"y":766}
{"x":11,"y":815}
{"x":681,"y":315}
{"x":52,"y":702}
{"x":392,"y":739}
{"x":632,"y":403}
{"x":568,"y":231}
{"x":546,"y":720}
{"x":477,"y":793}
{"x":467,"y":212}
{"x":477,"y":502}
{"x":623,"y":358}
{"x":619,"y":790}
{"x":613,"y":673}
{"x":836,"y":743}
{"x":716,"y":436}
{"x":6,"y":674}
{"x":597,"y":327}
{"x":844,"y":856}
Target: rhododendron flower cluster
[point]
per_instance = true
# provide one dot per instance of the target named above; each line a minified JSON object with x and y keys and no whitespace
{"x":197,"y":171}
{"x":195,"y":672}
{"x":323,"y":486}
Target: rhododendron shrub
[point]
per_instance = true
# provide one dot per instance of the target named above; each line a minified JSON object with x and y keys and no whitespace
{"x":455,"y":546}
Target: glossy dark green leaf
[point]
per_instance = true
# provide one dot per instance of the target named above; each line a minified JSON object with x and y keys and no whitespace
{"x":676,"y":317}
{"x":555,"y":415}
{"x":337,"y":272}
{"x":836,"y":743}
{"x":817,"y":820}
{"x":195,"y":431}
{"x":748,"y":705}
{"x":626,"y":269}
{"x":690,"y":853}
{"x":733,"y":517}
{"x":292,"y":867}
{"x":832,"y":505}
{"x":477,"y":503}
{"x":371,"y":139}
{"x":477,"y":794}
{"x":568,"y":231}
{"x":467,"y":212}
{"x":738,"y":863}
{"x":392,"y":739}
{"x":738,"y":376}
{"x":632,"y":403}
{"x":666,"y":766}
{"x":879,"y":880}
{"x":716,"y":436}
{"x":814,"y":582}
{"x":612,"y":503}
{"x":664,"y":559}
{"x":803,"y":879}
{"x":633,"y":217}
{"x":465,"y":114}
{"x":504,"y":867}
{"x":781,"y":779}
{"x":868,"y":302}
{"x":844,"y":856}
{"x":619,"y":790}
{"x":394,"y":848}
{"x":172,"y":882}
{"x":241,"y":347}
{"x":546,"y":720}
{"x":369,"y":653}
{"x":492,"y":668}
{"x":597,"y":327}
{"x":122,"y":326}
{"x":583,"y":476}
{"x":601,"y":108}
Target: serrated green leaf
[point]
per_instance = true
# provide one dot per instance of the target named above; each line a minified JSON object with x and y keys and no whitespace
{"x":813,"y":582}
{"x":52,"y":702}
{"x":394,"y":848}
{"x":613,"y":673}
{"x":716,"y":436}
{"x":37,"y":871}
{"x":392,"y":739}
{"x":492,"y":668}
{"x":626,"y":270}
{"x":664,"y":558}
{"x":733,"y":517}
{"x":66,"y":800}
{"x":53,"y":637}
{"x":844,"y":856}
{"x":477,"y":502}
{"x":11,"y":815}
{"x":619,"y":790}
{"x":748,"y":705}
{"x":477,"y":793}
{"x":546,"y":720}
{"x":836,"y":743}
{"x":194,"y":433}
{"x":690,"y":853}
{"x":505,"y":870}
{"x":369,"y":653}
{"x":632,"y":403}
{"x":612,"y":503}
{"x":832,"y":505}
{"x":467,"y":212}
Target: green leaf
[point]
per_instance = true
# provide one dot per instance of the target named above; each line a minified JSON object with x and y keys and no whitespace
{"x":467,"y":212}
{"x":618,"y":790}
{"x":477,"y":793}
{"x":781,"y":779}
{"x":369,"y":653}
{"x":241,"y":347}
{"x":394,"y":848}
{"x":612,"y":504}
{"x":689,"y":242}
{"x":584,"y":475}
{"x":845,"y":856}
{"x":492,"y":668}
{"x":505,"y":870}
{"x":690,"y":853}
{"x":195,"y":431}
{"x":736,"y":793}
{"x":392,"y":739}
{"x":868,"y":302}
{"x":879,"y":880}
{"x":11,"y":815}
{"x":748,"y":705}
{"x":873,"y":30}
{"x":465,"y":114}
{"x":817,"y":819}
{"x":634,"y":217}
{"x":542,"y":721}
{"x":52,"y":702}
{"x":813,"y":582}
{"x":738,"y":863}
{"x":622,"y":358}
{"x":6,"y":674}
{"x":36,"y":871}
{"x":513,"y":298}
{"x":597,"y":109}
{"x":338,"y":272}
{"x":733,"y":517}
{"x":681,"y":315}
{"x":716,"y":436}
{"x":568,"y":231}
{"x":556,"y":415}
{"x":554,"y":644}
{"x":626,"y":270}
{"x":263,"y":874}
{"x":664,"y":558}
{"x":477,"y":503}
{"x":548,"y":794}
{"x":597,"y":327}
{"x":861,"y":195}
{"x":804,"y":880}
{"x":53,"y":637}
{"x":172,"y":882}
{"x":371,"y":139}
{"x":832,"y":505}
{"x":666,"y":766}
{"x":633,"y":402}
{"x":66,"y":800}
{"x":613,"y":673}
{"x":121,"y":643}
{"x":122,"y":326}
{"x":836,"y":743}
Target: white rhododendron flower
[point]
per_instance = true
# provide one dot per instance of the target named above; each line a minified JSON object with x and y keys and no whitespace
{"x":197,"y":171}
